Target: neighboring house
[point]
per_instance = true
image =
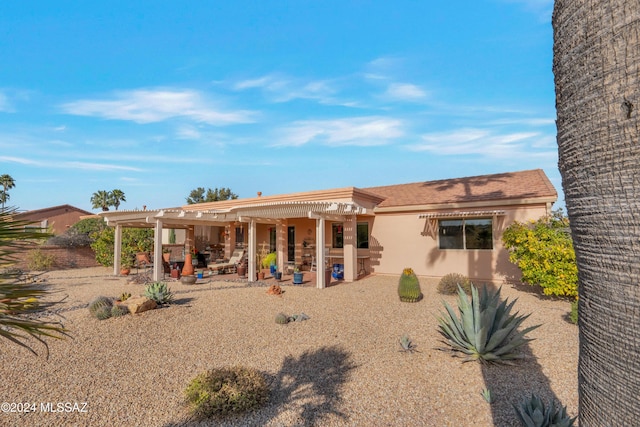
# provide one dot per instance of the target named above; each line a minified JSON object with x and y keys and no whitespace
{"x":58,"y":218}
{"x":434,"y":227}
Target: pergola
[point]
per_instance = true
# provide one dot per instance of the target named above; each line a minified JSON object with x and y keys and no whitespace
{"x":271,"y":212}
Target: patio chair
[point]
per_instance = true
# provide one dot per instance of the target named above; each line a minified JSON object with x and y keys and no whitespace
{"x":230,"y":265}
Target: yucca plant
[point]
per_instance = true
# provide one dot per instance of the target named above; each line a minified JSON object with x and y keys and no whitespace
{"x":159,"y":292}
{"x":533,"y":413}
{"x":486,"y":330}
{"x":18,"y":301}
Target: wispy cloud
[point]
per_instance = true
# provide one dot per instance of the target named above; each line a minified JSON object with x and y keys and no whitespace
{"x":5,"y":105}
{"x":485,"y":143}
{"x":405,"y":92}
{"x":359,"y":131}
{"x":69,"y":165}
{"x":281,"y":88}
{"x":148,"y":106}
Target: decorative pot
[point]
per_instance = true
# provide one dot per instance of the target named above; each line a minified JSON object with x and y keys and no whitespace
{"x":188,"y":280}
{"x":297,"y":278}
{"x":261,"y":275}
{"x":327,"y":276}
{"x":278,"y":275}
{"x":125,"y":271}
{"x":187,"y":270}
{"x":241,"y":270}
{"x":272,"y":269}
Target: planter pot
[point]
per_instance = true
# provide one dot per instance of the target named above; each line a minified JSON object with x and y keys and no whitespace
{"x":261,"y":275}
{"x":125,"y":271}
{"x":327,"y":276}
{"x":188,"y":280}
{"x":187,"y":270}
{"x":272,"y":269}
{"x":242,"y":270}
{"x":297,"y":278}
{"x":278,"y":275}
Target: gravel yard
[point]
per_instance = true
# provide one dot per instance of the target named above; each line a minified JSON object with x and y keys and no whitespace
{"x":342,"y":367}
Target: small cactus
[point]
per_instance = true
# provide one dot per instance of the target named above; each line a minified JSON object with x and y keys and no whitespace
{"x":409,"y":286}
{"x":487,"y":395}
{"x":102,"y":313}
{"x":282,"y":319}
{"x":125,"y":296}
{"x":101,"y":303}
{"x":159,"y":292}
{"x":406,"y":344}
{"x":533,"y":412}
{"x":119,"y":310}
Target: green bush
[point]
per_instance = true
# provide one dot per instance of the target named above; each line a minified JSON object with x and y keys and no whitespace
{"x":448,"y":285}
{"x":486,"y":330}
{"x":543,"y":250}
{"x":134,"y":240}
{"x":39,"y":261}
{"x":219,"y":392}
{"x":409,"y":286}
{"x":159,"y":292}
{"x":269,"y":260}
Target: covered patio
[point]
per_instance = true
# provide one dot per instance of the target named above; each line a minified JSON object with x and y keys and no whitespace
{"x":257,"y":214}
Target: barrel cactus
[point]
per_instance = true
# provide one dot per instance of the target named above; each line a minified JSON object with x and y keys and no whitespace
{"x":409,"y":286}
{"x":282,"y":319}
{"x":100,"y":306}
{"x":119,"y":310}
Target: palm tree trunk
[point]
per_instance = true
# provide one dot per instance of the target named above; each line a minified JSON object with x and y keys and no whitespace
{"x":597,"y":77}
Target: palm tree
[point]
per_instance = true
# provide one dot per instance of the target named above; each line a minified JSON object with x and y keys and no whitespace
{"x":117,"y":196}
{"x":7,"y":183}
{"x":101,"y":199}
{"x":4,"y":197}
{"x":19,"y":301}
{"x":596,"y":62}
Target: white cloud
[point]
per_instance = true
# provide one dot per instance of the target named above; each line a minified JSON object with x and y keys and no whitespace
{"x":69,"y":165}
{"x":188,"y":132}
{"x":485,"y":143}
{"x":280,"y":88}
{"x":405,"y":92}
{"x":148,"y":106}
{"x":360,"y":131}
{"x":5,"y":105}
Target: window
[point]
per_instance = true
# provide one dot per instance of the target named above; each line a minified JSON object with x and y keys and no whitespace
{"x":272,"y":239}
{"x":363,"y":235}
{"x":465,"y":234}
{"x":337,"y":235}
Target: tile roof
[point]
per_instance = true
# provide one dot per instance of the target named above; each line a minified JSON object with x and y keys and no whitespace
{"x":511,"y":185}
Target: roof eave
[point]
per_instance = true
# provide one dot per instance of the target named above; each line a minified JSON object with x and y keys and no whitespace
{"x":466,"y":205}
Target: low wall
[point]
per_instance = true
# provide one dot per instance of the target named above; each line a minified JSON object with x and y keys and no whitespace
{"x":77,"y":257}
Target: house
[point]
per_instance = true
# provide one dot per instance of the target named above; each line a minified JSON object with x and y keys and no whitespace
{"x":434,"y":227}
{"x":57,"y":218}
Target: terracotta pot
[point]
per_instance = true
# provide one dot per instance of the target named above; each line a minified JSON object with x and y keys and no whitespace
{"x":242,"y":270}
{"x":125,"y":271}
{"x":187,"y":270}
{"x":261,"y":275}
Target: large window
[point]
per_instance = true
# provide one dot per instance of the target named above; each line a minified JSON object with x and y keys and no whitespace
{"x":465,"y":233}
{"x":363,"y":235}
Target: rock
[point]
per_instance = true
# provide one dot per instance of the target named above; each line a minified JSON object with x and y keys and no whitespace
{"x":139,"y":304}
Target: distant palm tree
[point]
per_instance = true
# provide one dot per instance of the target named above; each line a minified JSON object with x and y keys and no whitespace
{"x":101,"y":199}
{"x":19,"y":301}
{"x":117,"y":196}
{"x":7,"y":183}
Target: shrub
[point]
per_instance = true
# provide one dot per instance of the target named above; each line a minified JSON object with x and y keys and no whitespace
{"x":223,"y":391}
{"x":100,"y":306}
{"x":134,"y":240}
{"x":119,"y":310}
{"x":282,"y":319}
{"x":409,"y":286}
{"x":543,"y":251}
{"x":448,"y":285}
{"x":533,"y":413}
{"x":39,"y":261}
{"x":159,"y":292}
{"x":573,"y":316}
{"x":268,"y":260}
{"x":486,"y":330}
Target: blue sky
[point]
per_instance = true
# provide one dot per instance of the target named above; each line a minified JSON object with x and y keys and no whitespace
{"x":156,"y":98}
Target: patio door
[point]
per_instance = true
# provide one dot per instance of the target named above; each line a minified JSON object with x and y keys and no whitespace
{"x":291,"y":244}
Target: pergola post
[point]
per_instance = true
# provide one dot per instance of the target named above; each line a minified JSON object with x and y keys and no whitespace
{"x":281,"y":244}
{"x":320,"y":254}
{"x":158,"y":267}
{"x":252,"y":250}
{"x":117,"y":250}
{"x":350,"y":249}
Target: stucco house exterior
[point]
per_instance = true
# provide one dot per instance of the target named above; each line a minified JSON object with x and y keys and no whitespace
{"x":434,"y":227}
{"x":59,"y":218}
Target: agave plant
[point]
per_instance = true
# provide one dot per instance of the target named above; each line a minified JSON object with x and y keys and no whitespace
{"x":533,"y":413}
{"x":159,"y":292}
{"x":486,"y":330}
{"x":407,"y":345}
{"x":18,"y":301}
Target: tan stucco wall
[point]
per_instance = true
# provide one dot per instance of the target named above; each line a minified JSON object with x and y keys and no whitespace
{"x":399,"y":241}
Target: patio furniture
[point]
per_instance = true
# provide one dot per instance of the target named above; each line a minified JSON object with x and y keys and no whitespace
{"x":229,"y":266}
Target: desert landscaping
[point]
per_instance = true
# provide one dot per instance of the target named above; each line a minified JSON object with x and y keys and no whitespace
{"x":341,"y":367}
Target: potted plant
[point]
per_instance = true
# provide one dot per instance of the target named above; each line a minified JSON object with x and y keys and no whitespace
{"x":125,"y":265}
{"x":297,"y":276}
{"x":269,"y":261}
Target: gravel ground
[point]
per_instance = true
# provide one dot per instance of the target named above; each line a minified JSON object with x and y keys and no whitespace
{"x":342,"y":367}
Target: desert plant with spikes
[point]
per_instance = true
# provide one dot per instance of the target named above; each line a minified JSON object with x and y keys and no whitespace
{"x":486,"y":330}
{"x":532,"y":412}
